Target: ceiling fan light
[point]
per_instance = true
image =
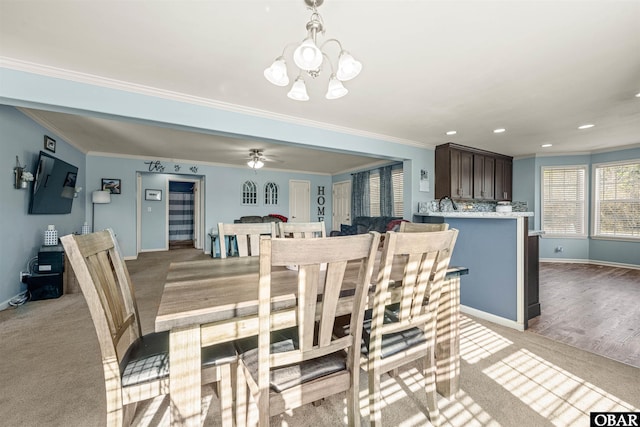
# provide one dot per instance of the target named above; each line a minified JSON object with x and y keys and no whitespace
{"x":348,"y":67}
{"x":255,"y":163}
{"x":307,"y":56}
{"x":277,"y":72}
{"x":298,"y":91}
{"x":336,"y":89}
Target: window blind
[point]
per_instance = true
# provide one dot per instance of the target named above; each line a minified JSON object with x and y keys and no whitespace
{"x":397,"y":182}
{"x":617,"y":200}
{"x":564,"y":201}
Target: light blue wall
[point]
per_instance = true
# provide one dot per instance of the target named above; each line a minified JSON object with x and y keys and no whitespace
{"x":22,"y":234}
{"x":223,"y":197}
{"x":527,"y":175}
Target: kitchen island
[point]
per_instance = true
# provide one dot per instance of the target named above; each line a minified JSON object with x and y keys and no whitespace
{"x":494,"y":246}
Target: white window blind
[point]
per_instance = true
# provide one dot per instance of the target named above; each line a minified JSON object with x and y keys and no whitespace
{"x":617,"y":200}
{"x":564,"y":201}
{"x":397,"y":182}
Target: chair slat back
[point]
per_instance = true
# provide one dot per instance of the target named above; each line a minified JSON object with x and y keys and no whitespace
{"x":417,"y":227}
{"x":247,"y":236}
{"x":105,"y":283}
{"x":349,"y":262}
{"x":302,"y":229}
{"x":425,"y":258}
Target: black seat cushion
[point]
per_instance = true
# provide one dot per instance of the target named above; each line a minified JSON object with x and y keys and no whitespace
{"x":289,"y":376}
{"x":147,"y":359}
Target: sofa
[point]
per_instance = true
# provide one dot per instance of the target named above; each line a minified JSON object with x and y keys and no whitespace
{"x":256,"y":218}
{"x":365,"y":224}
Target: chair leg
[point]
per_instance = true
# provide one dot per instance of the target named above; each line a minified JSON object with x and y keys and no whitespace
{"x":429,"y":371}
{"x":226,"y":395}
{"x":353,"y":400}
{"x":241,"y":397}
{"x":375,"y":398}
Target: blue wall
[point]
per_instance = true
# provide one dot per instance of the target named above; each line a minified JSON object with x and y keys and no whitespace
{"x":22,"y":234}
{"x":527,"y":175}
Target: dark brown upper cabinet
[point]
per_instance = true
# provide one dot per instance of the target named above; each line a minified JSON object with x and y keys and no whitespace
{"x":466,"y":173}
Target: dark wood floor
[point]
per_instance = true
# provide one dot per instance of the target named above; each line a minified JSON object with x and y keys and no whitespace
{"x":592,"y":307}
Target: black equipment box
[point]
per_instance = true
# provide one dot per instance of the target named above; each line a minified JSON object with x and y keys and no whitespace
{"x":51,"y":259}
{"x":44,"y":286}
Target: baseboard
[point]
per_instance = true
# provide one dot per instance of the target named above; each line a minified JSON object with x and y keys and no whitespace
{"x":5,"y":304}
{"x":130,"y":258}
{"x":590,"y":261}
{"x":155,"y":250}
{"x":491,"y":317}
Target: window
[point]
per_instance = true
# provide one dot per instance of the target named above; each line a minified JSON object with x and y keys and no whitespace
{"x":564,"y":201}
{"x":397,"y":182}
{"x":271,"y":193}
{"x":616,"y":210}
{"x":249,"y":193}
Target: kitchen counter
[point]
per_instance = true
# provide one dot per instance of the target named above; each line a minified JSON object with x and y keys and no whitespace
{"x":494,"y":246}
{"x":469,"y":214}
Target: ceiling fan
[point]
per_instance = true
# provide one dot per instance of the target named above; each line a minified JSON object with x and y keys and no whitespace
{"x":256,"y":158}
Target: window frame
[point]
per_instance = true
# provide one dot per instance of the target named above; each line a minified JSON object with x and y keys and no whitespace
{"x":398,"y":196}
{"x":249,"y":196}
{"x":585,"y":202}
{"x":595,"y":201}
{"x":271,"y":193}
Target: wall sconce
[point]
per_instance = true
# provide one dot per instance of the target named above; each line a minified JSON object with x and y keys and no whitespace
{"x":22,"y":177}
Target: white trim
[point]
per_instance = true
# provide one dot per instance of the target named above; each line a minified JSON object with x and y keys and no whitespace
{"x":585,"y":204}
{"x":5,"y":304}
{"x":590,"y":261}
{"x":521,"y":235}
{"x":491,"y":318}
{"x":154,"y":250}
{"x":130,"y":258}
{"x":91,"y":79}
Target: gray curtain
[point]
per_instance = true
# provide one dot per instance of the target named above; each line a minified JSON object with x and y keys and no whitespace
{"x":386,"y":192}
{"x":360,"y":195}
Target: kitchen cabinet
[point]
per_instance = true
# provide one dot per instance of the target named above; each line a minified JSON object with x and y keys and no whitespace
{"x":454,"y":173}
{"x":504,"y":177}
{"x":466,"y":173}
{"x":483,"y":176}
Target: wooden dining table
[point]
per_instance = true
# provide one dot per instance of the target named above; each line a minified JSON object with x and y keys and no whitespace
{"x":216,"y":300}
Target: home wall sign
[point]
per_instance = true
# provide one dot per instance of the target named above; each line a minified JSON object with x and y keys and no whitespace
{"x":155,"y":166}
{"x":321,"y":201}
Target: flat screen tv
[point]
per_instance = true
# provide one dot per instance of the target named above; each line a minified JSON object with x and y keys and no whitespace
{"x":53,"y":186}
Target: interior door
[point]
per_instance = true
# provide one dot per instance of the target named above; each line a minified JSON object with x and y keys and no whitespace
{"x":299,"y":201}
{"x":341,"y":204}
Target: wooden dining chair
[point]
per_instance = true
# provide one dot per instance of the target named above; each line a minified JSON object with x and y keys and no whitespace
{"x":419,"y":227}
{"x":136,"y":367}
{"x":394,"y":336}
{"x":302,"y":229}
{"x":288,"y":368}
{"x":247,"y":236}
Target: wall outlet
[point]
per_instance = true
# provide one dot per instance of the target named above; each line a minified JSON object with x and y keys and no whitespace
{"x":24,"y":276}
{"x":559,"y":249}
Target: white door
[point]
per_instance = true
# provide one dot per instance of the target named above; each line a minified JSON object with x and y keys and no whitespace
{"x":299,"y":201}
{"x":341,"y":204}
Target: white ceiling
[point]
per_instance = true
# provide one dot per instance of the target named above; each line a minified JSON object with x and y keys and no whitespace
{"x":537,"y":68}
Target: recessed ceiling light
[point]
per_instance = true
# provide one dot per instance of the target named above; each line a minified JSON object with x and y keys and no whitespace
{"x":587,"y":126}
{"x":638,"y":95}
{"x":451,"y":132}
{"x":546,"y":145}
{"x":499,"y":130}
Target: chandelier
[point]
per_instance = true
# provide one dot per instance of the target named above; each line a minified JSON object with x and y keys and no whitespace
{"x":255,"y":159}
{"x":310,"y":58}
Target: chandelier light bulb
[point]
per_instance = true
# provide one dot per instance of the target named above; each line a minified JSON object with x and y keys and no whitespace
{"x":308,"y":56}
{"x":336,"y":89}
{"x":298,"y":91}
{"x":255,"y":163}
{"x":348,"y":67}
{"x":277,"y":72}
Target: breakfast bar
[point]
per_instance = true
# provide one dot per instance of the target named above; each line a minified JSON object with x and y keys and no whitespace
{"x":493,"y":245}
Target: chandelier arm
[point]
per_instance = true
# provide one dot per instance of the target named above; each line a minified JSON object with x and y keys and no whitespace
{"x":332,"y":40}
{"x":329,"y":61}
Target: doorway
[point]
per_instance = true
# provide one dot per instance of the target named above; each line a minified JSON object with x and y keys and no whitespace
{"x":181,"y":214}
{"x":341,"y":204}
{"x":299,"y":201}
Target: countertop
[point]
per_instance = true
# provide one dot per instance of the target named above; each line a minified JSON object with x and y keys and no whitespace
{"x":495,"y":215}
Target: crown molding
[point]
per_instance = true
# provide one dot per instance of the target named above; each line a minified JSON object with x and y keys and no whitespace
{"x":49,"y":126}
{"x":79,"y":77}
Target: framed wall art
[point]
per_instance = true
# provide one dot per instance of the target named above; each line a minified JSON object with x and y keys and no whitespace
{"x":155,"y":195}
{"x":50,"y":144}
{"x":112,"y":184}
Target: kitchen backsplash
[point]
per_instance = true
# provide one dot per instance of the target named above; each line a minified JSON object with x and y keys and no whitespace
{"x":466,"y":206}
